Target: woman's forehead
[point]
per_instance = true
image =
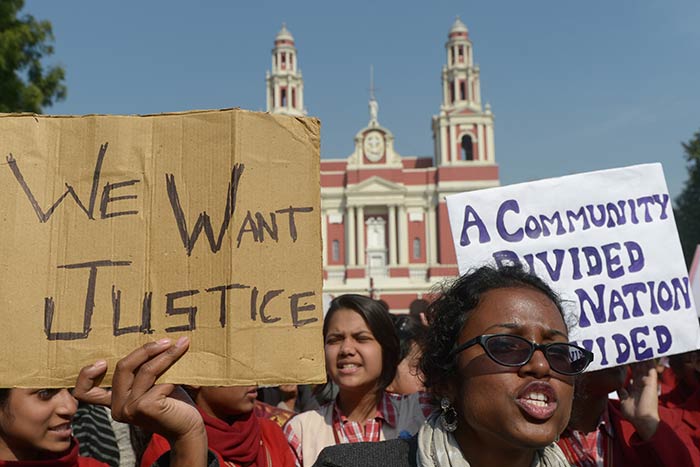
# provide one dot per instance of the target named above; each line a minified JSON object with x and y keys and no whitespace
{"x":345,"y":319}
{"x":517,"y":307}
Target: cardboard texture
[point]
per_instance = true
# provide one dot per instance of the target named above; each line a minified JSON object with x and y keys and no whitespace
{"x":119,"y":230}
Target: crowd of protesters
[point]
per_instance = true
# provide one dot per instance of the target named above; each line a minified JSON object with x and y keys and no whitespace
{"x":484,"y":375}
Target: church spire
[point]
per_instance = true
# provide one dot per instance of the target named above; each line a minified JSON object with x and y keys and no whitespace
{"x":463,"y":131}
{"x":285,"y":85}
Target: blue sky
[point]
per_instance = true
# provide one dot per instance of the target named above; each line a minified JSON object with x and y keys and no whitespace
{"x":574,"y":86}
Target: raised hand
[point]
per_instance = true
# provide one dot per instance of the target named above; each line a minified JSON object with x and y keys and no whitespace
{"x":639,"y":402}
{"x":87,"y":386}
{"x":159,"y":408}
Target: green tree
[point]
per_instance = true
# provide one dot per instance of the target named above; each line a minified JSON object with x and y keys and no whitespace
{"x":25,"y":85}
{"x":687,"y":210}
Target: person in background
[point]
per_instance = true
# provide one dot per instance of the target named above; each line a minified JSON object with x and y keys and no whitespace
{"x":498,"y":359}
{"x":686,"y":379}
{"x":418,"y":309}
{"x":92,"y":427}
{"x":361,"y":352}
{"x":631,"y":431}
{"x":234,"y":433}
{"x":411,"y":333}
{"x":35,"y":429}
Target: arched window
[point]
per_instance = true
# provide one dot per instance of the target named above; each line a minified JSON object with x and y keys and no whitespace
{"x":467,"y":148}
{"x":335,"y":250}
{"x":416,"y":248}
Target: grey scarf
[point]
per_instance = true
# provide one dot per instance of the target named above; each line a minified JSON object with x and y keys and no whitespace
{"x":438,"y":448}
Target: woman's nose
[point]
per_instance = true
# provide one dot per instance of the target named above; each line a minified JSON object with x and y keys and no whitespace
{"x":538,"y":365}
{"x":346,"y":347}
{"x":66,"y":404}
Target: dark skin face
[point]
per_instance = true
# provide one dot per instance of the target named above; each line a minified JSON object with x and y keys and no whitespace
{"x":502,"y":416}
{"x":226,"y":402}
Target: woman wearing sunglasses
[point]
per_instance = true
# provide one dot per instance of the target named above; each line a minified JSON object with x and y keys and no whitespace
{"x":498,"y":360}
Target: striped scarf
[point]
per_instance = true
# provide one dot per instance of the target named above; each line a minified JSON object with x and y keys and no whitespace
{"x":92,"y":428}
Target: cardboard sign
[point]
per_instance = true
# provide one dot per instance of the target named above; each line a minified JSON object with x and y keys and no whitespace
{"x":606,"y":241}
{"x":694,"y":275}
{"x":118,"y":230}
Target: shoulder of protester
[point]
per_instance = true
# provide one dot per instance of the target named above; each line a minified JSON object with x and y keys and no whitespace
{"x":393,"y":453}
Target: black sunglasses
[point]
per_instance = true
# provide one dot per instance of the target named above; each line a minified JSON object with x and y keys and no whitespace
{"x":510,"y":350}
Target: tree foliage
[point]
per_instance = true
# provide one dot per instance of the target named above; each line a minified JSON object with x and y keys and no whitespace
{"x":687,"y":210}
{"x":25,"y":85}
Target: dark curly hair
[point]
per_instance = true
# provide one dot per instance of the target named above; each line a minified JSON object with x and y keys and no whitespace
{"x":409,"y":331}
{"x":450,"y":311}
{"x":379,"y":322}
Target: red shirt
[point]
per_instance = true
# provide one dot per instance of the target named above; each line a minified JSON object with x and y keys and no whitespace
{"x":672,"y":445}
{"x":69,"y":458}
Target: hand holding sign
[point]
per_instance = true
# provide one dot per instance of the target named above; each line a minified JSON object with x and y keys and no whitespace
{"x":157,"y":408}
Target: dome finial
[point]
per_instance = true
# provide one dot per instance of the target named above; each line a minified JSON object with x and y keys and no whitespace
{"x":458,"y":27}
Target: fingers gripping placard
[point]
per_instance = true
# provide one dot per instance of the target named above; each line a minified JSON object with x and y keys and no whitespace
{"x":119,"y":230}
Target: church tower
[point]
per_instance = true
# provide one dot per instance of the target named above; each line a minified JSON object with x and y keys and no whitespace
{"x":285,"y":86}
{"x":463,"y":131}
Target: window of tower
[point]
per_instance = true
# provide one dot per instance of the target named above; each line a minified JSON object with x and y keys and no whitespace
{"x":416,"y":248}
{"x":452,"y":91}
{"x":294,"y":98}
{"x":462,"y":90}
{"x":452,"y":55}
{"x":283,"y":97}
{"x":335,"y":250}
{"x":467,"y":148}
{"x":461,"y":54}
{"x":291,"y":61}
{"x":284,"y":60}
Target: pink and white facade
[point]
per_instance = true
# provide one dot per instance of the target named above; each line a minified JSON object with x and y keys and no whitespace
{"x":384,"y":220}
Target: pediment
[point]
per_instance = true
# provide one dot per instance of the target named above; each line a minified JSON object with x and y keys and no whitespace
{"x":376,"y":185}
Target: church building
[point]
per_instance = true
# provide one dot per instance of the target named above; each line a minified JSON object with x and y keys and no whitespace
{"x":384,"y":222}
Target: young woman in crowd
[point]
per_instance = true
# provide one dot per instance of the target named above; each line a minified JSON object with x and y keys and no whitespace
{"x":234,"y":433}
{"x":362,"y":353}
{"x":497,"y":357}
{"x":35,"y":429}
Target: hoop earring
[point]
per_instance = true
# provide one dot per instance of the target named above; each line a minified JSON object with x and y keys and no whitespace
{"x":448,"y":417}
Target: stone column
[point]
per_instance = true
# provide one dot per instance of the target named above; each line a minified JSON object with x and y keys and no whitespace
{"x":482,"y":140}
{"x":392,"y":235}
{"x":350,"y":236}
{"x":432,"y":235}
{"x":360,"y":235}
{"x":403,"y":236}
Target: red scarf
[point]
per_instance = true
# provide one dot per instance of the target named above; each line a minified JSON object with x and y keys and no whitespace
{"x":239,"y":442}
{"x":68,"y":458}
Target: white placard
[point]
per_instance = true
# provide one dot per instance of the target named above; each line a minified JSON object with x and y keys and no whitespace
{"x":606,"y":241}
{"x":695,"y":277}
